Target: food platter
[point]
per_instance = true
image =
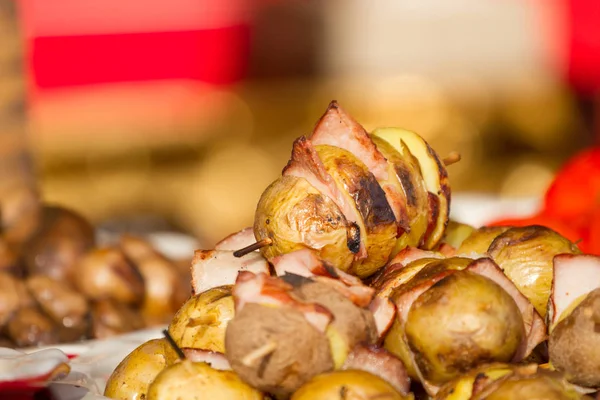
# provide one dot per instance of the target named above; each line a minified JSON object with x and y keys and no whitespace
{"x":356,"y":276}
{"x":96,"y":359}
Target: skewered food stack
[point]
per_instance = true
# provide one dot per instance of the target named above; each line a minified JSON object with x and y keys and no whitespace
{"x":352,"y":283}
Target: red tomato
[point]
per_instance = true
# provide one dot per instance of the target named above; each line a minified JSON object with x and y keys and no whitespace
{"x":542,"y":219}
{"x":575,"y":192}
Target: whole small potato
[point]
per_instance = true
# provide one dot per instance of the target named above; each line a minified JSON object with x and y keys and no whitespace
{"x":201,"y":322}
{"x":526,"y":256}
{"x":188,"y":380}
{"x":61,"y":239}
{"x":462,"y":321}
{"x":110,"y":318}
{"x":105,"y":273}
{"x":275,"y":349}
{"x":574,"y":344}
{"x":478,"y":242}
{"x":132,"y":377}
{"x":346,"y":385}
{"x":351,"y":324}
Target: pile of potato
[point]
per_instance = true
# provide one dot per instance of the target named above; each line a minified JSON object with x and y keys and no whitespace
{"x":57,"y":285}
{"x":399,"y":304}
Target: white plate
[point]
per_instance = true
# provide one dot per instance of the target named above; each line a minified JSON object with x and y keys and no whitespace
{"x":98,"y":358}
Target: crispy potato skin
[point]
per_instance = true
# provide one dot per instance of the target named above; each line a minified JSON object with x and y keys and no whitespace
{"x":295,"y":215}
{"x":301,"y":351}
{"x":369,"y":198}
{"x":574,"y":344}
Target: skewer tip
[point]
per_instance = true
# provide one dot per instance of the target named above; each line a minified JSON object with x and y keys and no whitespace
{"x":174,"y":345}
{"x":452,"y":158}
{"x":252,"y":247}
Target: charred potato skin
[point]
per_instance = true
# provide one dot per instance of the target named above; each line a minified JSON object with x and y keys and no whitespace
{"x":301,"y":351}
{"x":574,"y":344}
{"x":294,"y":214}
{"x":352,"y":176}
{"x":132,"y":377}
{"x":443,"y":354}
{"x":202,"y":321}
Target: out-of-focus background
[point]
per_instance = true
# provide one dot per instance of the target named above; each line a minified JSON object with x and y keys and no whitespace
{"x":176,"y":114}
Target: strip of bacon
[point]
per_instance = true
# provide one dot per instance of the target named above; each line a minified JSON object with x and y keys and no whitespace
{"x":381,"y":363}
{"x":384,"y":312}
{"x":410,"y":254}
{"x":212,"y":268}
{"x":215,"y":359}
{"x":306,"y":264}
{"x":273,"y":291}
{"x":535,"y":328}
{"x":575,"y":275}
{"x":237,"y":240}
{"x":305,"y":163}
{"x":337,"y":128}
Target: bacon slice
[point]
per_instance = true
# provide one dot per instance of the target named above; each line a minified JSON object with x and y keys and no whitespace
{"x":237,"y":240}
{"x":212,"y":268}
{"x":272,"y":291}
{"x":381,"y":363}
{"x":215,"y":359}
{"x":575,"y":275}
{"x":535,"y":328}
{"x":306,"y":264}
{"x":337,"y":128}
{"x":305,"y":163}
{"x":410,"y":254}
{"x":384,"y":312}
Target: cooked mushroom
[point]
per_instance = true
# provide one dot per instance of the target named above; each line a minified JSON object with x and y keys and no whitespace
{"x":65,"y":306}
{"x":105,"y":273}
{"x":60,"y":241}
{"x":110,"y":318}
{"x":30,"y":327}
